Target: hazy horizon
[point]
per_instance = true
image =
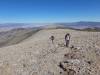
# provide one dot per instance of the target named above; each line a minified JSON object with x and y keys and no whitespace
{"x":49,"y":22}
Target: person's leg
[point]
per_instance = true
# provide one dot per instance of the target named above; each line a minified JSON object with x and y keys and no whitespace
{"x":67,"y":43}
{"x":52,"y":41}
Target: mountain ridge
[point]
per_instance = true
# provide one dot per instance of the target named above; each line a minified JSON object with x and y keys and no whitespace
{"x":78,"y":25}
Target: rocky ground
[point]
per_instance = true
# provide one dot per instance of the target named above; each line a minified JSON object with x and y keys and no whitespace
{"x":38,"y":56}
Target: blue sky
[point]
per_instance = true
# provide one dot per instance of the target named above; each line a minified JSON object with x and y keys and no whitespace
{"x":49,"y":11}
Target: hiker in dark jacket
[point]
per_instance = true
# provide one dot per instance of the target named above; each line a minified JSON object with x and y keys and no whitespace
{"x":67,"y":39}
{"x":52,"y":39}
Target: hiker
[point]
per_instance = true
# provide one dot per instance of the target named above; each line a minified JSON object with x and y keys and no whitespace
{"x":52,"y":39}
{"x":67,"y":39}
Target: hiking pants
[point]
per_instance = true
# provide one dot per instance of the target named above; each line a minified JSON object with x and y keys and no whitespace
{"x":67,"y":43}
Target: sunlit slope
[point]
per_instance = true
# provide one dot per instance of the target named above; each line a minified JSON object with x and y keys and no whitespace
{"x":38,"y":56}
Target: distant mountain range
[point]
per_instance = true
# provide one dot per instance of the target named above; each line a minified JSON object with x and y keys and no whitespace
{"x":76,"y":25}
{"x":81,"y":25}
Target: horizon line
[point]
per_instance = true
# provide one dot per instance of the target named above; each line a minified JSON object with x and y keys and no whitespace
{"x":44,"y":22}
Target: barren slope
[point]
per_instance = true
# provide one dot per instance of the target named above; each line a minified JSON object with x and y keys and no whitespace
{"x":15,"y":36}
{"x":38,"y":56}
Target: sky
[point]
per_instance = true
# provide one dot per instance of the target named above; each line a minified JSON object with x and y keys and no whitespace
{"x":49,"y":11}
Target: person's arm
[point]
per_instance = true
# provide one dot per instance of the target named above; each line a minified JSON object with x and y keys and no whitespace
{"x":69,"y":37}
{"x":65,"y":37}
